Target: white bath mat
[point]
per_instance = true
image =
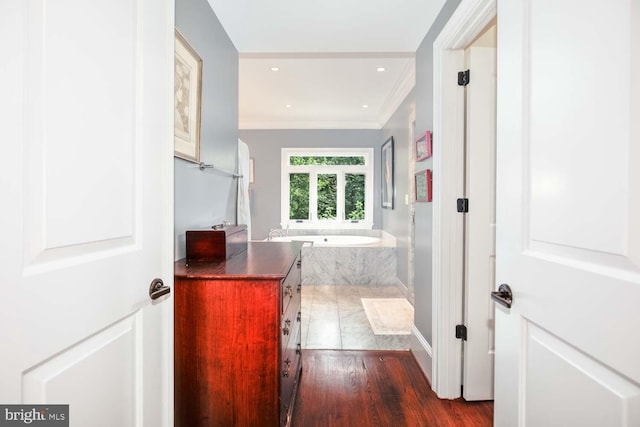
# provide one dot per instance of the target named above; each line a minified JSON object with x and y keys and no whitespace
{"x":389,"y":316}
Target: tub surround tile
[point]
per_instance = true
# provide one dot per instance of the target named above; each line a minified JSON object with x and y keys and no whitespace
{"x":367,"y":266}
{"x":318,"y":266}
{"x":352,"y":266}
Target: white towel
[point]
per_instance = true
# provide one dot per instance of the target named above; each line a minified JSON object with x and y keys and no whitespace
{"x":244,"y":211}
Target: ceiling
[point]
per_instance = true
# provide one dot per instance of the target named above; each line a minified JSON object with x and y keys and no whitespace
{"x":328,"y":54}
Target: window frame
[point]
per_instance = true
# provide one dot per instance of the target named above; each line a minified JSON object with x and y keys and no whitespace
{"x":340,"y":171}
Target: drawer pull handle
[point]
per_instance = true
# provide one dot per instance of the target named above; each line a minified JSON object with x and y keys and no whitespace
{"x":288,"y":291}
{"x":299,"y":317}
{"x":287,"y":327}
{"x":299,"y":288}
{"x":298,"y":348}
{"x":287,"y":368}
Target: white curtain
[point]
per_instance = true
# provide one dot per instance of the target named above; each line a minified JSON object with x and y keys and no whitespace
{"x":244,"y":212}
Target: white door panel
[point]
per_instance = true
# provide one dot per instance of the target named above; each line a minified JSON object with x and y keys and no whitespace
{"x":605,"y":397}
{"x":82,"y":367}
{"x":562,"y":69}
{"x":480,"y":224}
{"x":68,"y":72}
{"x":568,"y":197}
{"x":86,"y":190}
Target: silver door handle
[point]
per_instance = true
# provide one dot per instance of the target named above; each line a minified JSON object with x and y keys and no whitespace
{"x":503,"y":295}
{"x":158,"y":289}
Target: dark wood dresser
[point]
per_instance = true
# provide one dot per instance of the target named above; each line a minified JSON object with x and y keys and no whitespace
{"x":237,"y":337}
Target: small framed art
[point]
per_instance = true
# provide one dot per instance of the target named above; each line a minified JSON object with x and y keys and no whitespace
{"x":423,"y":146}
{"x":187,"y":100}
{"x":388,"y":188}
{"x":423,"y":186}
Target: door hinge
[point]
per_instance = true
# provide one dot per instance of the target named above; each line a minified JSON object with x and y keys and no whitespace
{"x":463,"y":205}
{"x":463,"y":78}
{"x":461,"y":332}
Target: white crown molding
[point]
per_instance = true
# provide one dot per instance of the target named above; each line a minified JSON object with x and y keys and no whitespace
{"x":257,"y":124}
{"x":325,"y":55}
{"x":405,"y":84}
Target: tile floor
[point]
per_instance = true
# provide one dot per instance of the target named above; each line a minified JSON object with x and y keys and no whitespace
{"x":333,"y":318}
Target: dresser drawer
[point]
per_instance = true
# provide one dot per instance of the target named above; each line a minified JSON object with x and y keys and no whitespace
{"x":291,"y":320}
{"x":290,"y":374}
{"x":291,"y":284}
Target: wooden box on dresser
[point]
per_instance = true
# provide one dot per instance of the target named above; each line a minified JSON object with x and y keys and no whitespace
{"x":237,"y":337}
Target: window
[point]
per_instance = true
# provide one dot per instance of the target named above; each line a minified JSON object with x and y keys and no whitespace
{"x":327,"y":188}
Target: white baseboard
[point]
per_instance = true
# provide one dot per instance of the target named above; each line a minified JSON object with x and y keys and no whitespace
{"x":422,"y":352}
{"x":403,"y":288}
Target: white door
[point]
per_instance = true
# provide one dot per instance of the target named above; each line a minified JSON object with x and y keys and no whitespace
{"x":480,"y":224}
{"x":86,"y":189}
{"x":568,"y":213}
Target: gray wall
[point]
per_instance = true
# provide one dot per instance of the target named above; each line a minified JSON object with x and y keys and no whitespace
{"x":206,"y":198}
{"x":202,"y":198}
{"x":396,"y":221}
{"x":424,"y":211}
{"x":265,"y":145}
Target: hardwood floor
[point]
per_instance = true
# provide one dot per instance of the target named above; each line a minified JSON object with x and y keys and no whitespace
{"x":375,"y":389}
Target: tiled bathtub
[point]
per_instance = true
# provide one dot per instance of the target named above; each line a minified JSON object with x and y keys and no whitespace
{"x":363,"y":262}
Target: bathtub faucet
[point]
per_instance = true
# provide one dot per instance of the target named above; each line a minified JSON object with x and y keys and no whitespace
{"x":276,"y":232}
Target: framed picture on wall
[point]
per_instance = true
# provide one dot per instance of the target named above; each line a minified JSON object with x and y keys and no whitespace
{"x":388,"y":189}
{"x":423,"y":146}
{"x":187,"y":91}
{"x":423,"y":186}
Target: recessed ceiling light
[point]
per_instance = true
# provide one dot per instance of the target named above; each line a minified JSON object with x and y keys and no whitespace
{"x":275,"y":68}
{"x":288,"y":105}
{"x":381,"y":69}
{"x":365,"y":106}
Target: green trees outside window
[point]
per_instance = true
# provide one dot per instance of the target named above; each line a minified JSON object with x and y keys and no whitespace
{"x":326,"y":160}
{"x":327,"y":187}
{"x":299,"y":196}
{"x":354,"y":196}
{"x":327,"y":196}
